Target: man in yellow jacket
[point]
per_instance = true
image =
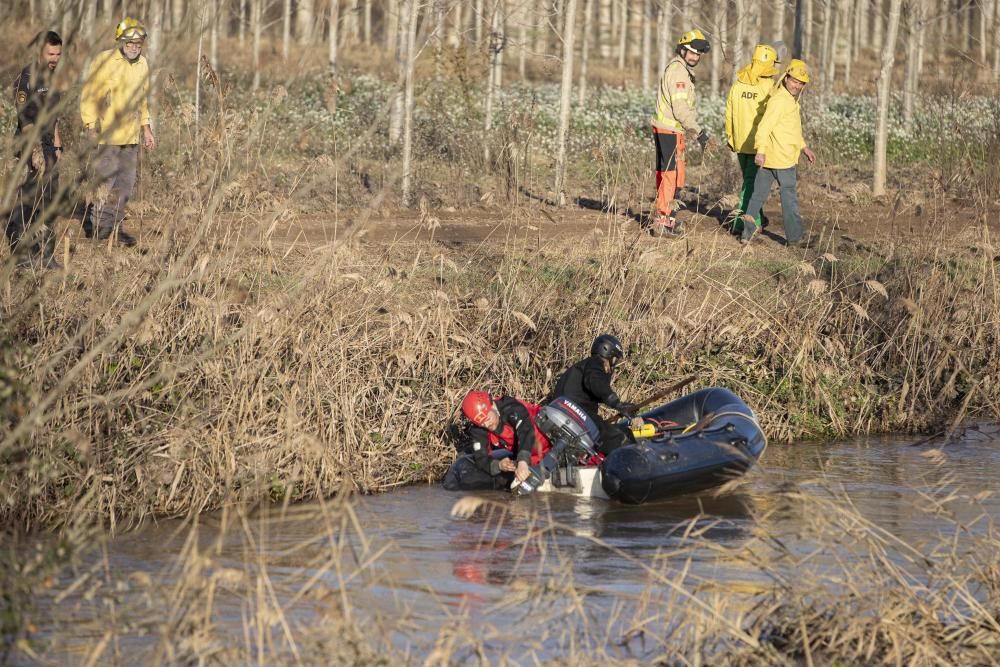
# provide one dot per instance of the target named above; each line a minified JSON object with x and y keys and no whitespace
{"x":779,"y":143}
{"x":745,"y":106}
{"x":674,"y":119}
{"x":114,"y":108}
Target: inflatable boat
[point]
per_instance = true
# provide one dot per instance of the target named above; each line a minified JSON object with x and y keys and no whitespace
{"x":700,"y":441}
{"x":688,"y":445}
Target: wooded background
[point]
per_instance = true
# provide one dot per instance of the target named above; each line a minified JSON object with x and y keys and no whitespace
{"x":633,"y":35}
{"x":859,"y":46}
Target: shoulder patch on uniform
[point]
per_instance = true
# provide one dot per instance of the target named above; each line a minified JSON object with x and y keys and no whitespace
{"x":22,"y":97}
{"x":681,"y":85}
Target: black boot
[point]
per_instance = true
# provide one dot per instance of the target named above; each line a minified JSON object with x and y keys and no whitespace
{"x":88,"y":222}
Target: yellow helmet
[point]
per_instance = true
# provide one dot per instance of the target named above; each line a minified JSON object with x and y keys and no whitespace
{"x":767,"y":56}
{"x":129,"y":28}
{"x":797,"y":70}
{"x":695,"y":41}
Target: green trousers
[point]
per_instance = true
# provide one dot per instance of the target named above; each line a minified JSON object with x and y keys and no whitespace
{"x":749,"y":169}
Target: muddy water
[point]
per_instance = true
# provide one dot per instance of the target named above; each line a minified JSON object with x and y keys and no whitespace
{"x":408,"y":567}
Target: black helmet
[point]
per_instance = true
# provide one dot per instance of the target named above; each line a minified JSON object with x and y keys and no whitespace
{"x":608,"y":347}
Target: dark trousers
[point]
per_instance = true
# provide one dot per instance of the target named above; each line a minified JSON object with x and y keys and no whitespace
{"x":612,"y":437}
{"x":30,"y":221}
{"x":114,"y":171}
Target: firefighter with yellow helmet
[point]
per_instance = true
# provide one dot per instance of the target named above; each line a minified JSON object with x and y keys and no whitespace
{"x":745,"y":105}
{"x":114,"y":108}
{"x":673,"y":122}
{"x":778,"y":144}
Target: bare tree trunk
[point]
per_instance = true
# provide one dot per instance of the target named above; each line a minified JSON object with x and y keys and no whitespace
{"x":604,"y":14}
{"x":455,"y":34}
{"x":854,"y":46}
{"x":541,"y":28}
{"x":588,"y":15}
{"x":213,"y":36}
{"x":305,"y":18}
{"x":878,"y":22}
{"x":884,"y":92}
{"x":753,"y":27}
{"x":622,"y":33}
{"x":353,"y":21}
{"x":564,"y":95}
{"x":410,"y":46}
{"x":740,"y":7}
{"x":634,"y":27}
{"x":255,"y":28}
{"x":286,"y":28}
{"x":390,"y":23}
{"x":647,"y":42}
{"x":499,"y":39}
{"x":368,"y":21}
{"x":798,"y":36}
{"x":491,"y":85}
{"x":524,"y":15}
{"x":807,"y":43}
{"x":718,"y":24}
{"x":996,"y":40}
{"x":914,"y":19}
{"x":477,"y":23}
{"x":178,"y":14}
{"x":156,"y":46}
{"x":89,"y":20}
{"x":966,"y":31}
{"x":241,"y":29}
{"x":397,"y":105}
{"x":333,"y":85}
{"x":983,"y":20}
{"x":777,"y":22}
{"x":662,"y":35}
{"x":941,"y":34}
{"x":825,"y":48}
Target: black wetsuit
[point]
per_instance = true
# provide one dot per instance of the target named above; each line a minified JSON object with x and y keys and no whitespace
{"x":587,"y":384}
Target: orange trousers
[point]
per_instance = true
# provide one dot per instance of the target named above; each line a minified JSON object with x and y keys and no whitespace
{"x":670,"y":148}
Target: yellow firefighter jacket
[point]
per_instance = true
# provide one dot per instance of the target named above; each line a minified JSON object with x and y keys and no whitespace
{"x":115,"y":97}
{"x":745,"y":106}
{"x":779,"y":134}
{"x":675,"y":99}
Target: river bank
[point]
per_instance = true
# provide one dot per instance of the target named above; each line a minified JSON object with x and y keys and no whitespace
{"x":230,"y":365}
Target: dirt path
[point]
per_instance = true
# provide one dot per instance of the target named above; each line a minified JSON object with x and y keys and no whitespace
{"x":842,"y":225}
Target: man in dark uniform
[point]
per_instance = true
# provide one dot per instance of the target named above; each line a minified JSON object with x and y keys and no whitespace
{"x":588,"y":384}
{"x":39,"y":144}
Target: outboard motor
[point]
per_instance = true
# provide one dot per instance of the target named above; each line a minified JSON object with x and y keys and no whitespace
{"x":574,"y":437}
{"x":563,"y":421}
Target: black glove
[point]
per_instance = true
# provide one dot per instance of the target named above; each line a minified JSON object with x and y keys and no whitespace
{"x":627,"y":409}
{"x":615,"y":403}
{"x":703,"y":139}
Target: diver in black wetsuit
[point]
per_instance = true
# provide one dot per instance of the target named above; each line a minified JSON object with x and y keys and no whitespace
{"x":588,"y":384}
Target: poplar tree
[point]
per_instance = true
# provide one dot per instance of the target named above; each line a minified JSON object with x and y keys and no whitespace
{"x":564,"y":102}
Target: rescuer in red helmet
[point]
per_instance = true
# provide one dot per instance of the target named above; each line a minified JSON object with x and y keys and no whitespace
{"x":501,"y":438}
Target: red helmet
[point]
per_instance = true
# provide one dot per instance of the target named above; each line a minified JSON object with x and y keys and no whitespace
{"x":476,"y":406}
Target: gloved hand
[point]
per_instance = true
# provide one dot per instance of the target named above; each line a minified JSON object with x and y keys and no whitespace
{"x":627,"y":409}
{"x":703,"y":138}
